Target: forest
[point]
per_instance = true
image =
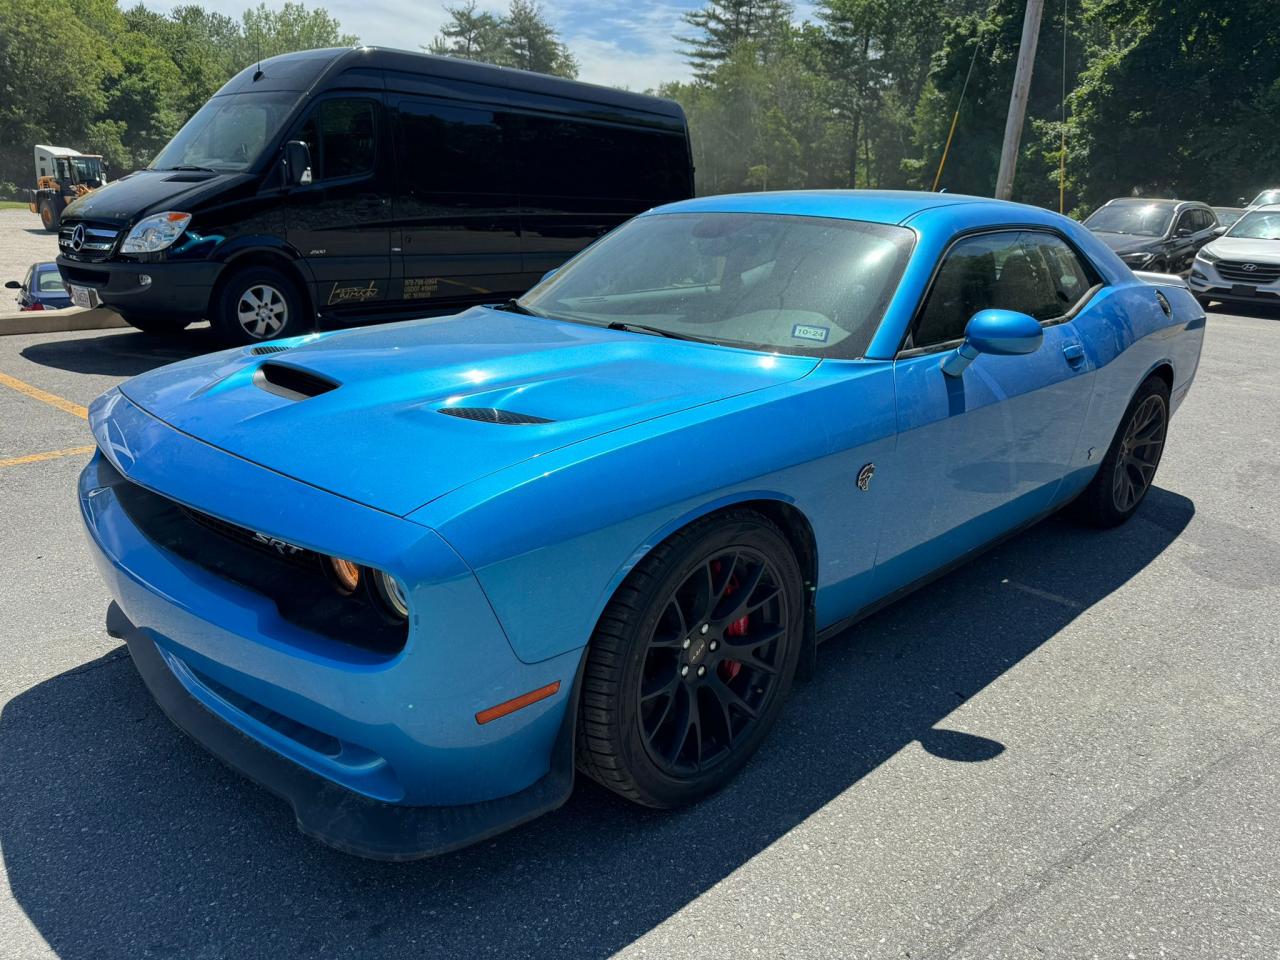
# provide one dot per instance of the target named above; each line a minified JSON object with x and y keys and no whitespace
{"x":1147,"y":97}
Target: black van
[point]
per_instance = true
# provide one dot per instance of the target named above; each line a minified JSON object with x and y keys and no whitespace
{"x":338,"y":186}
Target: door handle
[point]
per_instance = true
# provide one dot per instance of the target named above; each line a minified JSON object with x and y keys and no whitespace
{"x":1074,"y":353}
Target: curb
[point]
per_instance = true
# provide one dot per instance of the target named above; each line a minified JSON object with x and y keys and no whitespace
{"x":59,"y":321}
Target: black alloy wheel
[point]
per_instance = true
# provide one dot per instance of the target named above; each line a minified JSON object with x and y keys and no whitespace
{"x":1128,"y":469}
{"x":713,"y":661}
{"x":691,"y":661}
{"x":1140,"y":452}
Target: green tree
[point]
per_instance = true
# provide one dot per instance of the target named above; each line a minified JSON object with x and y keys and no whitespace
{"x":523,"y":38}
{"x":725,"y":25}
{"x":266,"y":32}
{"x":1178,"y":99}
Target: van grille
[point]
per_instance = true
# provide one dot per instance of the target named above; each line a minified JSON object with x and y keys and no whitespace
{"x":1238,"y":271}
{"x":96,"y":241}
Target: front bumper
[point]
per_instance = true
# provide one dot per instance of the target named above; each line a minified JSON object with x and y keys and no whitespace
{"x":177,"y":290}
{"x":379,"y":754}
{"x":1206,"y":283}
{"x":341,"y":818}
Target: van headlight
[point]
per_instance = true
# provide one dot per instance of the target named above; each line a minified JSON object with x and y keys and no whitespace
{"x":155,"y":233}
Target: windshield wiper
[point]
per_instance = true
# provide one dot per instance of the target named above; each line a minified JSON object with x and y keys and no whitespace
{"x":657,"y":331}
{"x":515,"y":306}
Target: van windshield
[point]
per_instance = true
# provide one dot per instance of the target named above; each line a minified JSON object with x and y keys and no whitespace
{"x":228,"y":133}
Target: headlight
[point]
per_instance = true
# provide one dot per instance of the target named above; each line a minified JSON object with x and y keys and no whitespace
{"x":390,"y":595}
{"x":1207,"y":255}
{"x":156,"y":232}
{"x":1136,"y":259}
{"x":344,"y":574}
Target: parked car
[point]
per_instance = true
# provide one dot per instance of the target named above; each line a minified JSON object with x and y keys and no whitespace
{"x":358,"y":185}
{"x":1243,"y":265}
{"x":1264,"y":198}
{"x":410,"y":577}
{"x":1161,"y":236}
{"x":41,"y":289}
{"x":1227,"y":216}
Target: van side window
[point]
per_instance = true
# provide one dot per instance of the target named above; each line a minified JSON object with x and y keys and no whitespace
{"x":342,"y":137}
{"x":448,"y":149}
{"x":564,"y":157}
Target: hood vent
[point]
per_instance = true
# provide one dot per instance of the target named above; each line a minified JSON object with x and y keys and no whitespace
{"x":492,"y":415}
{"x":292,"y":383}
{"x":265,"y":349}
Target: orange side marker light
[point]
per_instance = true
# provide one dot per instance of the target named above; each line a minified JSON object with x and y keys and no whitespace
{"x":518,"y":703}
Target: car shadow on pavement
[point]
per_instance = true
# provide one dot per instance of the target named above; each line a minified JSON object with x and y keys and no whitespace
{"x":120,"y":354}
{"x":122,"y":838}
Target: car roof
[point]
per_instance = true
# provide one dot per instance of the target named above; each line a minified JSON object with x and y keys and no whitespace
{"x":873,"y":206}
{"x":1266,"y":208}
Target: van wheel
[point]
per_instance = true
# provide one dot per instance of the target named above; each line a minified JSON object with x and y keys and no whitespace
{"x":156,"y":326}
{"x":691,"y":661}
{"x":256,"y":304}
{"x":49,"y":217}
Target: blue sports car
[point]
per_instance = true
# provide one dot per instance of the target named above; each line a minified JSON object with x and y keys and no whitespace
{"x":411,"y":577}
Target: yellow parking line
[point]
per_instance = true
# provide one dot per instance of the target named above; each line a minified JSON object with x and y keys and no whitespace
{"x":51,"y":455}
{"x":44,"y":396}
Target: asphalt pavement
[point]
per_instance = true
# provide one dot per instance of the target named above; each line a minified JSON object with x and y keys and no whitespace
{"x":1068,"y":748}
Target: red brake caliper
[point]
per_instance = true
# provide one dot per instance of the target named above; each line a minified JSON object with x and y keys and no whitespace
{"x":731,"y":668}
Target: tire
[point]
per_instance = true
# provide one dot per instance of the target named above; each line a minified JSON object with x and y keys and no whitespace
{"x":257,"y":304}
{"x":50,"y":216}
{"x":156,"y":326}
{"x":642,"y":745}
{"x":1110,"y":499}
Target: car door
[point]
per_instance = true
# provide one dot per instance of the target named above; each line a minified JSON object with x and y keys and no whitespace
{"x":1191,"y":231}
{"x":455,"y":203}
{"x":981,"y":453}
{"x":339,"y":219}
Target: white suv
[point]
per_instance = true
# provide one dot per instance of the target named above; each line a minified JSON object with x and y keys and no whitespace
{"x":1243,"y":265}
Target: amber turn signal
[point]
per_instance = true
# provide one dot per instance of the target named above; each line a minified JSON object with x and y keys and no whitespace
{"x":517,"y":703}
{"x":345,"y":575}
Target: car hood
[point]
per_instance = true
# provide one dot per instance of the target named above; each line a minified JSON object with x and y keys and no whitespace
{"x":359,"y":412}
{"x":1126,"y":242}
{"x":125,"y":201}
{"x":1242,"y":248}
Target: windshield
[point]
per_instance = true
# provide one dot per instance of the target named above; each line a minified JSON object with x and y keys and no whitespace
{"x":803,"y":285}
{"x":1257,"y":226}
{"x":228,"y":133}
{"x":88,"y":169}
{"x":1138,"y":219}
{"x":1265,"y":197}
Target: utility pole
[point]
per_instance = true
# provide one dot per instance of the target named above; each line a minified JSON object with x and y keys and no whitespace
{"x":1018,"y":99}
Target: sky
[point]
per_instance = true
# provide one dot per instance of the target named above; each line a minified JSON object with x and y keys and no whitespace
{"x":623,"y":43}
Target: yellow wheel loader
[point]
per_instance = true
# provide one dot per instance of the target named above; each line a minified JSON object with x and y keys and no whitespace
{"x":62,"y":175}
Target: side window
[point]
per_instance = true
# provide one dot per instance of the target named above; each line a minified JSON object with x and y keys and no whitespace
{"x":342,"y":136}
{"x":448,"y":149}
{"x":1060,"y":280}
{"x":1033,"y":273}
{"x":562,"y":156}
{"x":1186,"y":223}
{"x":965,"y":284}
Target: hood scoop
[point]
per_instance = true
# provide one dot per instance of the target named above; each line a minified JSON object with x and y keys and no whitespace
{"x":267,"y":348}
{"x":493,"y":415}
{"x":292,"y":383}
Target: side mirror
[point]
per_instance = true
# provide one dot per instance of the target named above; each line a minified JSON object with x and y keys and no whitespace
{"x":1002,"y":333}
{"x":13,"y":285}
{"x":1219,"y":230}
{"x":297,"y":163}
{"x":1183,"y":232}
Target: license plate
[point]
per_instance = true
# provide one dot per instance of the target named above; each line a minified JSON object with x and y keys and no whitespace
{"x":1243,"y":290}
{"x":83,"y":296}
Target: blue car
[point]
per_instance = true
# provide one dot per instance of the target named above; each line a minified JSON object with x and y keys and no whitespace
{"x":410,"y":578}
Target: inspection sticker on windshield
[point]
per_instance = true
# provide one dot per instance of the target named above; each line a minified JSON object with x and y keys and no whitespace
{"x":803,"y":331}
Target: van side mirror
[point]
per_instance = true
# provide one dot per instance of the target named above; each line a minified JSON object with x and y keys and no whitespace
{"x":13,"y":285}
{"x":297,"y":163}
{"x":1002,"y":333}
